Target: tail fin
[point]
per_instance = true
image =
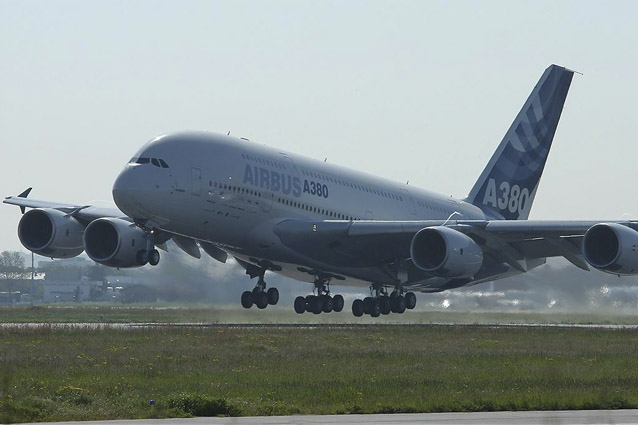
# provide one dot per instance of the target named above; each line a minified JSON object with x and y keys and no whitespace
{"x":507,"y":185}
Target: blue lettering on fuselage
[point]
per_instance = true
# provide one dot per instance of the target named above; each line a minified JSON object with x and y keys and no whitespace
{"x":278,"y":182}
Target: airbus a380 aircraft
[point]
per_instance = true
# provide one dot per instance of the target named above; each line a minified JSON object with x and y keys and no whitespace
{"x":321,"y":223}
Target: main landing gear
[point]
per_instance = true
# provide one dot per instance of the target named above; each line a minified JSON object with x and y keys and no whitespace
{"x":323,"y":302}
{"x":259,"y":296}
{"x":382,"y":303}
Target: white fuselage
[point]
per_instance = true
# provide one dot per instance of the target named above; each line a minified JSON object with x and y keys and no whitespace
{"x":232,"y":192}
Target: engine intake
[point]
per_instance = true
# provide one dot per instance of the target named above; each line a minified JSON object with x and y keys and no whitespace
{"x":446,"y":252}
{"x":612,"y":248}
{"x":114,"y":242}
{"x":51,"y":233}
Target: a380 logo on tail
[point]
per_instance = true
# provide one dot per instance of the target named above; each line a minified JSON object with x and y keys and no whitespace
{"x":506,"y":197}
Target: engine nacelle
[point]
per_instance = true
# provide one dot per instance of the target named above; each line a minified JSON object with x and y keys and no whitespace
{"x":446,"y":252}
{"x":114,"y":242}
{"x":51,"y":233}
{"x":612,"y":248}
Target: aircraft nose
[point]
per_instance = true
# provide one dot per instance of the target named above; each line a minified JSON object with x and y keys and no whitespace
{"x":125,"y":190}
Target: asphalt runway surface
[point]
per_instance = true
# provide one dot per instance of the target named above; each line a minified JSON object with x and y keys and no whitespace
{"x":572,"y":417}
{"x":79,"y":325}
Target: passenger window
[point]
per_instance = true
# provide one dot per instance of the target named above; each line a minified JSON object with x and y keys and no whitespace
{"x":155,"y":162}
{"x":163,"y":163}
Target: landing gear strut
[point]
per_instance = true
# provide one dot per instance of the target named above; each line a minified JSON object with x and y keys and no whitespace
{"x":382,"y":303}
{"x":323,"y":302}
{"x":259,"y":296}
{"x":148,"y":255}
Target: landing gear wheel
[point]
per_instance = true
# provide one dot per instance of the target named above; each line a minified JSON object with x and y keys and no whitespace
{"x":337,"y":303}
{"x":261,"y":301}
{"x":247,"y":299}
{"x":398,"y":305}
{"x":357,"y":308}
{"x":317,"y":305}
{"x":367,"y":305}
{"x":375,"y":308}
{"x":300,"y":305}
{"x":326,"y":300}
{"x":309,"y":303}
{"x":154,"y":257}
{"x":410,"y":300}
{"x":273,"y":296}
{"x":142,"y":257}
{"x":385,"y":305}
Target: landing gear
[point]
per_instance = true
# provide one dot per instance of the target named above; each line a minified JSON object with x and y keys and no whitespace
{"x":323,"y":302}
{"x":151,"y":257}
{"x":148,"y":255}
{"x":382,"y":303}
{"x":259,"y":296}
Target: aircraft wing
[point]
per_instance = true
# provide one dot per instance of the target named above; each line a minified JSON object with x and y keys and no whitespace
{"x":84,"y":213}
{"x":375,"y":243}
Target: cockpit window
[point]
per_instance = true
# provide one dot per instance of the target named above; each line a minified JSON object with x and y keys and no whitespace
{"x":132,"y":161}
{"x":155,"y":162}
{"x":143,"y":160}
{"x":164,"y":164}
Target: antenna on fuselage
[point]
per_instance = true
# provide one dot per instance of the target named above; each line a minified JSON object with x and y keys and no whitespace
{"x":325,"y":159}
{"x":228,"y":134}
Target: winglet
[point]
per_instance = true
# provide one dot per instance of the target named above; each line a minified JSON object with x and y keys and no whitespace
{"x":24,"y":195}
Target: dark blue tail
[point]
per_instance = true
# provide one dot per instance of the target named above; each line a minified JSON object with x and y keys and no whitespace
{"x":508,"y":184}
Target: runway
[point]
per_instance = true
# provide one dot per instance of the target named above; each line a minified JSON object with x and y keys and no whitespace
{"x":578,"y":417}
{"x":136,"y":325}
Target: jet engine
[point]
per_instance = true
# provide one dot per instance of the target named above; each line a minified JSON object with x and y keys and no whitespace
{"x":51,"y":233}
{"x":446,"y":252}
{"x":612,"y":248}
{"x":115,"y":242}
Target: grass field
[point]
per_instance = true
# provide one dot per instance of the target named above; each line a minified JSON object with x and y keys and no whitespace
{"x":175,"y":313}
{"x":81,"y":374}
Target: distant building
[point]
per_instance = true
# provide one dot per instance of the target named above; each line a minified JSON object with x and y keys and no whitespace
{"x":69,"y":290}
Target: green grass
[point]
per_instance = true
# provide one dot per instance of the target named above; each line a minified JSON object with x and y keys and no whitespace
{"x":176,"y":313}
{"x":81,"y":374}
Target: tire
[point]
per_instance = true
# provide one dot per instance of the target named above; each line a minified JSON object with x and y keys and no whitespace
{"x":247,"y":299}
{"x":410,"y":300}
{"x":327,"y":306}
{"x":367,"y":305}
{"x":337,"y":303}
{"x":273,"y":296}
{"x":309,"y":302}
{"x":357,"y":308}
{"x":385,"y":305}
{"x":300,"y":305}
{"x":400,"y":305}
{"x":154,"y":257}
{"x":255,"y":294}
{"x":375,"y":308}
{"x":142,"y":257}
{"x":262,"y":300}
{"x":317,"y":306}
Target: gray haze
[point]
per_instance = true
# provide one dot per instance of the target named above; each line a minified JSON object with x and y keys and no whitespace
{"x":409,"y":90}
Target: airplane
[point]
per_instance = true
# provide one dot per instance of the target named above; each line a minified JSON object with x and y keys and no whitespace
{"x":316,"y":222}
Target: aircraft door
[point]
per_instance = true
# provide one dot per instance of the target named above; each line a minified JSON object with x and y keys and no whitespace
{"x":196,"y":181}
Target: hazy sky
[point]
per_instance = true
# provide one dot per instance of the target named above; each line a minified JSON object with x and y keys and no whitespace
{"x":417,"y":90}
